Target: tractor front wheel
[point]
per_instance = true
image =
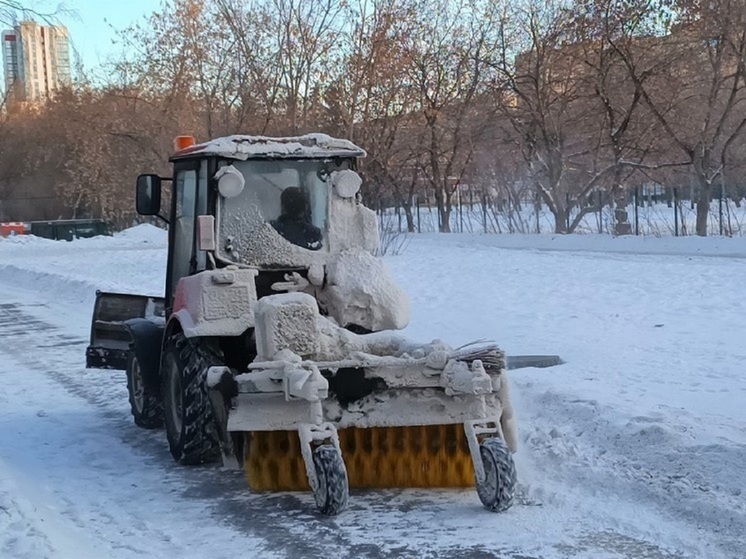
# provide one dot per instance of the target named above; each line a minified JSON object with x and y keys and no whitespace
{"x":497,"y":489}
{"x":186,"y":405}
{"x":333,"y":489}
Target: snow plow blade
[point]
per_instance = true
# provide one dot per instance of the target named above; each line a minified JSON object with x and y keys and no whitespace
{"x":110,"y":340}
{"x":425,"y":456}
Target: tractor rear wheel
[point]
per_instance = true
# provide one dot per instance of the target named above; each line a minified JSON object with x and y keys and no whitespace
{"x":145,"y":402}
{"x":190,"y":429}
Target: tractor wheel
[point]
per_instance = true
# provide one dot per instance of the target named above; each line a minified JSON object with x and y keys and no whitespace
{"x":145,"y":402}
{"x":186,"y":405}
{"x":333,"y":489}
{"x":497,"y":490}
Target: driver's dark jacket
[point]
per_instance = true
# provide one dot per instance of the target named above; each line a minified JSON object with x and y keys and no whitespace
{"x":298,"y":231}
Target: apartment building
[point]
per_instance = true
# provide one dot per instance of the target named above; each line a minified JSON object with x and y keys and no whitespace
{"x":36,"y":60}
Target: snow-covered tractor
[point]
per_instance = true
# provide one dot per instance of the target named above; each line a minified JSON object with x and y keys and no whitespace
{"x":274,"y":347}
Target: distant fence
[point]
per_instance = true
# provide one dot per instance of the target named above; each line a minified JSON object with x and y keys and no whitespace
{"x":647,"y":215}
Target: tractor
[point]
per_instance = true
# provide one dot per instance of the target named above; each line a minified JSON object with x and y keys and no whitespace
{"x":275,"y":349}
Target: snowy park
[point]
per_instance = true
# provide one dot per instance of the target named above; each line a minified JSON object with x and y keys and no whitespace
{"x":633,"y":448}
{"x":372,"y":279}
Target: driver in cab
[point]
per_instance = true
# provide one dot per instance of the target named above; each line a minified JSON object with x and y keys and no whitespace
{"x":294,"y":222}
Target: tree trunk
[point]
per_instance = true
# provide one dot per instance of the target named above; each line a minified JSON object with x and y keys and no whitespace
{"x":703,"y":210}
{"x":410,"y":217}
{"x":445,"y":219}
{"x":560,"y":219}
{"x":444,"y":213}
{"x":621,"y":217}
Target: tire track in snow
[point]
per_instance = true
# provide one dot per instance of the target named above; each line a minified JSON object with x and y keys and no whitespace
{"x":119,"y":524}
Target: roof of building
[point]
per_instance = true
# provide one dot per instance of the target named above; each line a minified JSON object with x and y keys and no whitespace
{"x":309,"y":146}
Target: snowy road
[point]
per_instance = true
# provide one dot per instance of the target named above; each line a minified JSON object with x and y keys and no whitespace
{"x":633,"y":449}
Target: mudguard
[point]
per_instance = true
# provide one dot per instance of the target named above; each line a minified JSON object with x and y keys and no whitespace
{"x":147,"y":337}
{"x":216,"y":302}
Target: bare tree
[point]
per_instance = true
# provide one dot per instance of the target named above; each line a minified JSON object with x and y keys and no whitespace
{"x":627,"y":132}
{"x":553,"y":98}
{"x":286,"y":50}
{"x":258,"y":63}
{"x":449,"y":57}
{"x":372,"y":101}
{"x":305,"y":34}
{"x":551,"y":111}
{"x":698,"y":101}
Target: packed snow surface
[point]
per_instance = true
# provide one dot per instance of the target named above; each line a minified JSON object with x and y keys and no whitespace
{"x":635,"y":448}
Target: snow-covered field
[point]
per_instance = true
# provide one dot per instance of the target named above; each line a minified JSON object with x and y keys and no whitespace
{"x":635,"y":448}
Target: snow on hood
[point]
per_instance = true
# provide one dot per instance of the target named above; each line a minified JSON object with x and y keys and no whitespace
{"x":254,"y":147}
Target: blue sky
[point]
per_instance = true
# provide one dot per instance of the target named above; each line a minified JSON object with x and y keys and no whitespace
{"x":90,"y":33}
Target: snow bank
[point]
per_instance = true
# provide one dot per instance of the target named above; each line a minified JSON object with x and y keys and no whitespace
{"x":133,"y":261}
{"x":649,"y":405}
{"x":139,"y":234}
{"x":144,"y":233}
{"x":24,"y":240}
{"x":50,"y":284}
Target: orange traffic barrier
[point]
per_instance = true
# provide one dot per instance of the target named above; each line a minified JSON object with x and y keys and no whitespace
{"x":12,"y":228}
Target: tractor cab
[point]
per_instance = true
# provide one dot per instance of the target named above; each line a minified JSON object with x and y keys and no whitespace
{"x":282,"y":214}
{"x":273,"y":204}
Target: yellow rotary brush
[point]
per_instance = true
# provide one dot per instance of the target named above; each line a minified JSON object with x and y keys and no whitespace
{"x":377,"y":457}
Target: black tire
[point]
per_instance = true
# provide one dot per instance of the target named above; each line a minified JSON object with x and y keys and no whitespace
{"x":333,"y":489}
{"x":186,"y":405}
{"x":145,"y":402}
{"x":497,"y":491}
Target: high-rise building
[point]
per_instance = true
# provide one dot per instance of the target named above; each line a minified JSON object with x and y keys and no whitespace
{"x":36,"y":60}
{"x":11,"y":61}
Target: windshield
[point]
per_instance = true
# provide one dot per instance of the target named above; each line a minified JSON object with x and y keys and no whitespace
{"x":286,"y":199}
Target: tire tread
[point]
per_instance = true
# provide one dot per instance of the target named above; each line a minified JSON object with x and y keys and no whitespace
{"x":198,"y":443}
{"x":152,"y":413}
{"x":500,"y":497}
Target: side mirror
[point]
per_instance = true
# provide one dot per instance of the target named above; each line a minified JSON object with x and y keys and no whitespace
{"x":148,"y":196}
